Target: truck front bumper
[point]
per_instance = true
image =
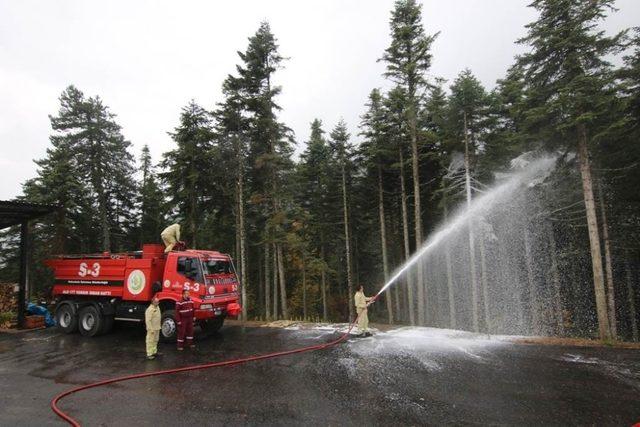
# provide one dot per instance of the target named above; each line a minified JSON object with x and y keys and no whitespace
{"x":229,"y":308}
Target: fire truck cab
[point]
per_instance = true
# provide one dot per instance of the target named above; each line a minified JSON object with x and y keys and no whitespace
{"x":93,"y":291}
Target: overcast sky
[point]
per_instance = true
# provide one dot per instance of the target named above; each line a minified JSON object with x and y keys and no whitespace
{"x":147,"y":59}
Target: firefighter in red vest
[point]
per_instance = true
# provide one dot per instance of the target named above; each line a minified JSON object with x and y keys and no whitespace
{"x":184,"y":316}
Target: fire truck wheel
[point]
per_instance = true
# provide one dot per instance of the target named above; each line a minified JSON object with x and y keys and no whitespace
{"x":90,"y":321}
{"x":168,"y":326}
{"x":107,"y":325}
{"x":66,"y":320}
{"x":212,"y":325}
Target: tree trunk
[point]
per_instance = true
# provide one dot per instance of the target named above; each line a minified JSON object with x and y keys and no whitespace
{"x":104,"y":223}
{"x":472,"y":251}
{"x":405,"y":235}
{"x":513,"y":289}
{"x":244,"y":269}
{"x":236,"y":257}
{"x":192,"y":218}
{"x":555,"y":278}
{"x":594,"y":237}
{"x":283,"y":285}
{"x":267,"y":282}
{"x":347,"y":239}
{"x":60,"y":232}
{"x":417,"y":210}
{"x":396,"y":300}
{"x":259,"y":308}
{"x":447,"y":253}
{"x":485,"y":285}
{"x":474,"y":279}
{"x":236,"y":249}
{"x":400,"y":287}
{"x":275,"y":281}
{"x":383,"y":242}
{"x":611,"y":292}
{"x":304,"y":287}
{"x":631,"y":297}
{"x":533,"y":295}
{"x":323,"y":284}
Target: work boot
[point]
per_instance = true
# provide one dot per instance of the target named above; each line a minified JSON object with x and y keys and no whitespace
{"x":153,"y":356}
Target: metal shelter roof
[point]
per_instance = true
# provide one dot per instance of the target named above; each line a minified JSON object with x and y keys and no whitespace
{"x":13,"y":212}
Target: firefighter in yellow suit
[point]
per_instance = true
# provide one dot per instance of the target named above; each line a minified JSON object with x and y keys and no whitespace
{"x":170,"y":236}
{"x":152,"y":318}
{"x":362,"y":302}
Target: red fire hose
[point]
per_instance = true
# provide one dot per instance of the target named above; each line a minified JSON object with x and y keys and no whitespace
{"x":73,"y":422}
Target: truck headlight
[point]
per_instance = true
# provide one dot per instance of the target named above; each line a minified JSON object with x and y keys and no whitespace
{"x":206,"y":306}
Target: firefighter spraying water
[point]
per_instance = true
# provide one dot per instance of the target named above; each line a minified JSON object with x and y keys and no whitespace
{"x":362,"y":303}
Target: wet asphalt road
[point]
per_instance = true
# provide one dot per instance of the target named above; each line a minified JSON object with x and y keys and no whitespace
{"x":401,"y":379}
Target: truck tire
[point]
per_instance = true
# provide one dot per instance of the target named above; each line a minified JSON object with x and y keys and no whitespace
{"x":107,"y":324}
{"x":168,"y":326}
{"x":90,"y":321}
{"x":66,"y":320}
{"x":212,"y":326}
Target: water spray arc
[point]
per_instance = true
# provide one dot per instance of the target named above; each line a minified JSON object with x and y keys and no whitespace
{"x":475,"y":208}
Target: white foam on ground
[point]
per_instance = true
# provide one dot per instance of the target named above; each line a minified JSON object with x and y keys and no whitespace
{"x":428,"y":344}
{"x":411,"y":340}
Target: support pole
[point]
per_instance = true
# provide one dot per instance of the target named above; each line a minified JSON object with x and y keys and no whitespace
{"x":24,"y":239}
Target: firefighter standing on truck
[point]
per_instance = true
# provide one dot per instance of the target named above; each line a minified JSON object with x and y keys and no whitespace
{"x":152,"y":320}
{"x":170,"y":236}
{"x":184,"y":316}
{"x":362,"y":302}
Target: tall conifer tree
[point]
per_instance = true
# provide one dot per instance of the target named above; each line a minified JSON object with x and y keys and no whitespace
{"x":566,"y":75}
{"x":408,"y":58}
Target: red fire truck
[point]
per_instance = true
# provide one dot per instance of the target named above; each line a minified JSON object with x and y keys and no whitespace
{"x":92,"y":291}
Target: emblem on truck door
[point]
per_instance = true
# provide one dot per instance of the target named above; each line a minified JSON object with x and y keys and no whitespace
{"x":136,"y":282}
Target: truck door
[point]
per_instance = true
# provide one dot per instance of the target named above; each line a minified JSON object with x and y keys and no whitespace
{"x":189,"y":269}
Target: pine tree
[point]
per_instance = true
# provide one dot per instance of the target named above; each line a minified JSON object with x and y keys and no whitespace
{"x":468,"y":101}
{"x":342,"y":150}
{"x":566,"y":77}
{"x":438,"y":132}
{"x":395,"y":106}
{"x":313,"y":196}
{"x":102,"y":160}
{"x":86,"y":170}
{"x":506,"y":137}
{"x":188,"y":169}
{"x":56,"y":184}
{"x":150,"y":200}
{"x":408,"y":59}
{"x":376,"y":150}
{"x":270,"y":148}
{"x":232,"y":130}
{"x":467,"y":105}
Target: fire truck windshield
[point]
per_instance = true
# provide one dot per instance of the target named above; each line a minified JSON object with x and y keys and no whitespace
{"x":215,"y":266}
